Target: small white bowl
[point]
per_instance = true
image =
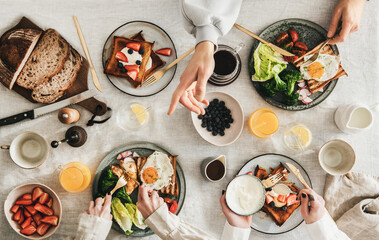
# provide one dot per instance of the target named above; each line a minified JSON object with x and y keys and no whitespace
{"x":235,"y":130}
{"x":28,"y":188}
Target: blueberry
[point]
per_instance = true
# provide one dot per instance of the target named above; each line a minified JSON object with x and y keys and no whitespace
{"x":120,"y":65}
{"x":227,"y":125}
{"x":210,"y":128}
{"x":231,"y":120}
{"x":130,"y":51}
{"x":123,"y":70}
{"x":284,"y":208}
{"x":222,"y":103}
{"x":138,"y":62}
{"x":215,"y":100}
{"x":222,"y":133}
{"x":271,"y":204}
{"x":141,"y":51}
{"x":268,"y":189}
{"x":203,"y":125}
{"x":200,"y":116}
{"x":214,"y":133}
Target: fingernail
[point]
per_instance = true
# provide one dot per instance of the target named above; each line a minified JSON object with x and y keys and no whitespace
{"x":303,"y":195}
{"x":223,"y":191}
{"x":329,"y":33}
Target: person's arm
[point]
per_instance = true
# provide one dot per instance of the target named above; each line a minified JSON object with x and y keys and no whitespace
{"x":95,"y":223}
{"x":319,"y":224}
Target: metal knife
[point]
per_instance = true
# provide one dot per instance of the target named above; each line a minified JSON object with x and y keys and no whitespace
{"x":32,"y":114}
{"x":297,"y":174}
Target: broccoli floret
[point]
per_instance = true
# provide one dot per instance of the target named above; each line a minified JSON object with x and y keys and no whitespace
{"x":292,"y":99}
{"x":107,"y":181}
{"x":290,"y":77}
{"x":280,"y":85}
{"x":268,"y":88}
{"x":122,"y":195}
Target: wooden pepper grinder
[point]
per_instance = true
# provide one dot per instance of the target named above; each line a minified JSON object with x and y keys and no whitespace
{"x":68,"y":115}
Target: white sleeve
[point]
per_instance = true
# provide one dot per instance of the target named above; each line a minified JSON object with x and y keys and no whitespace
{"x":325,"y":229}
{"x":207,"y":20}
{"x":231,"y":232}
{"x":92,"y":227}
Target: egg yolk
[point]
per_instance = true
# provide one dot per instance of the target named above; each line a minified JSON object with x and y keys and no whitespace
{"x":316,"y":70}
{"x":150,"y":175}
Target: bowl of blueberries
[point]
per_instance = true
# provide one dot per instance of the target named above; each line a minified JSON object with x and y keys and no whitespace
{"x":222,"y":122}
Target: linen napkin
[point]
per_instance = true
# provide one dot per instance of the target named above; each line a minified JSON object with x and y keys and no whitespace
{"x":353,"y":202}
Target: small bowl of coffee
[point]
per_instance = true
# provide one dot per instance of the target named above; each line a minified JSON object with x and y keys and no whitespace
{"x":214,"y":169}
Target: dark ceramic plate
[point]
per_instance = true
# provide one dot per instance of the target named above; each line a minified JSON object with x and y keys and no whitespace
{"x":143,"y":149}
{"x":311,"y":34}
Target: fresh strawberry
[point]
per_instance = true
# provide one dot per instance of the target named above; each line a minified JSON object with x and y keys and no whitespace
{"x":37,"y":192}
{"x":27,"y":222}
{"x":164,"y":51}
{"x":29,"y":230}
{"x":44,"y":197}
{"x":167,"y":200}
{"x":301,"y":46}
{"x":43,"y":209}
{"x":134,"y":45}
{"x":37,"y":218}
{"x":299,"y":52}
{"x":269,"y":198}
{"x":120,"y":56}
{"x":27,"y":213}
{"x":132,"y":68}
{"x":282,"y":38}
{"x":15,"y":208}
{"x":52,"y":220}
{"x":291,"y":59}
{"x":282,"y":198}
{"x":24,"y":202}
{"x":17,"y":215}
{"x":42,"y":229}
{"x":34,"y":224}
{"x":293,"y":35}
{"x":50,"y":202}
{"x":27,"y":196}
{"x":22,"y":218}
{"x":31,"y":210}
{"x":133,"y":74}
{"x":291,"y":199}
{"x":174,"y":206}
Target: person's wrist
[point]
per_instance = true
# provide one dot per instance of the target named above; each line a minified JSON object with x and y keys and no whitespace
{"x":205,"y":47}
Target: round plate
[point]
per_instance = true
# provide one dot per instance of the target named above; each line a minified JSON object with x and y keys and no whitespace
{"x":261,"y":222}
{"x":143,"y":149}
{"x":311,"y":34}
{"x":152,"y":33}
{"x":231,"y":134}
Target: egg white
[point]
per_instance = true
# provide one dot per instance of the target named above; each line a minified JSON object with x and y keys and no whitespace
{"x":330,"y":64}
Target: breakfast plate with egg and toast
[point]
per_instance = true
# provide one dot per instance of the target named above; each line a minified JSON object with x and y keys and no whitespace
{"x":281,"y":210}
{"x":133,"y":52}
{"x":312,"y":82}
{"x":139,"y":163}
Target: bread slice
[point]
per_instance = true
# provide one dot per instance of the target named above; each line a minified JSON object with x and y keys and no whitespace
{"x":54,"y":88}
{"x":173,"y":187}
{"x":46,"y":60}
{"x":15,"y":49}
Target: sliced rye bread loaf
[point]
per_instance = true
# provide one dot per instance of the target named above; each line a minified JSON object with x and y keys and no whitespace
{"x":54,"y":88}
{"x":46,"y":60}
{"x":15,"y":49}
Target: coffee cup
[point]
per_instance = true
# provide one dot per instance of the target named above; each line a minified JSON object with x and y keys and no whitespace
{"x":337,"y":157}
{"x":28,"y":150}
{"x":214,"y":169}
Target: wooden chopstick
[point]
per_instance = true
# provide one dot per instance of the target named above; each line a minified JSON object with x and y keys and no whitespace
{"x":85,"y":48}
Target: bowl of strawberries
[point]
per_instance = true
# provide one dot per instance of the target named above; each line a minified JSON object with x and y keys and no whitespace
{"x":33,"y":210}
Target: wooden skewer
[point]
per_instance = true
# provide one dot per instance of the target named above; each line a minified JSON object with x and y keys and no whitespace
{"x":85,"y":48}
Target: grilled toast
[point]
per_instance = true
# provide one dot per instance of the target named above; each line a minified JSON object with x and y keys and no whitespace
{"x":172,"y":188}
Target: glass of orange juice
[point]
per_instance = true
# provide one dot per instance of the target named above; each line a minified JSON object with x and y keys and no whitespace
{"x":263,"y":122}
{"x":75,"y":177}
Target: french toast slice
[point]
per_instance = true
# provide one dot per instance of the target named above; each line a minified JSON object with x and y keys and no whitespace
{"x":173,"y":187}
{"x":112,"y":68}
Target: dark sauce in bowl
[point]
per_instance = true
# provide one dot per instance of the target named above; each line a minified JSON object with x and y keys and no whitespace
{"x":215,"y":170}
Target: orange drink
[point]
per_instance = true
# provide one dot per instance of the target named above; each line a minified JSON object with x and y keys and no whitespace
{"x":263,"y":123}
{"x":75,"y":177}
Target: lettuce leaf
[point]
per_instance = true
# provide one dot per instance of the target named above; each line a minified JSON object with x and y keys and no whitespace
{"x":267,"y":63}
{"x":138,"y":219}
{"x":121,"y":216}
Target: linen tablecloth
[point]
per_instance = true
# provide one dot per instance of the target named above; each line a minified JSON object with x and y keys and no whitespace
{"x":176,"y":133}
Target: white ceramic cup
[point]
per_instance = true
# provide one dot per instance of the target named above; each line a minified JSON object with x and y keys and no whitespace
{"x":28,"y":150}
{"x":337,"y":157}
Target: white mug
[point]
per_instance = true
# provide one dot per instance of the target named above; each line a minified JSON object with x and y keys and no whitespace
{"x":353,"y":118}
{"x":337,"y":157}
{"x":28,"y":150}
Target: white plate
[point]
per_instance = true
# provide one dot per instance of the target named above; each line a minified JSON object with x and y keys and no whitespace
{"x":152,"y":33}
{"x":231,"y":134}
{"x":261,"y":222}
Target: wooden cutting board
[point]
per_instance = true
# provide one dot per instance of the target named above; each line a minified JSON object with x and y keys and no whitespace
{"x":80,"y":85}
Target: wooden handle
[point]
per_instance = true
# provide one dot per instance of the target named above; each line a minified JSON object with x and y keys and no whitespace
{"x":91,"y":103}
{"x":179,"y":59}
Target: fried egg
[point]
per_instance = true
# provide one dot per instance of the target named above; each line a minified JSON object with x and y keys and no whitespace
{"x":324,"y":68}
{"x":157,"y":171}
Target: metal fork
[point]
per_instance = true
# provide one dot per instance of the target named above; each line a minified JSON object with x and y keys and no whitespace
{"x":158,"y":75}
{"x":274,"y":179}
{"x":120,"y":183}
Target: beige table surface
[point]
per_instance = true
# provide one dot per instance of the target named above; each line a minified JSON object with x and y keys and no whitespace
{"x":176,"y":133}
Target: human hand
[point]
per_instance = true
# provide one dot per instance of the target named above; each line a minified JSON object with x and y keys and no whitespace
{"x":234,"y":219}
{"x":349,"y":12}
{"x":148,"y":201}
{"x":316,"y":210}
{"x":192,"y":87}
{"x":101,"y":207}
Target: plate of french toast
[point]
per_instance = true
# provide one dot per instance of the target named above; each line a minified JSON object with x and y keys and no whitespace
{"x":139,"y":163}
{"x":135,"y":51}
{"x":281,"y":210}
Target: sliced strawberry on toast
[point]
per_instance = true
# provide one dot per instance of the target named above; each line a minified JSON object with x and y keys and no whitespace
{"x":134,"y":45}
{"x":120,"y":56}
